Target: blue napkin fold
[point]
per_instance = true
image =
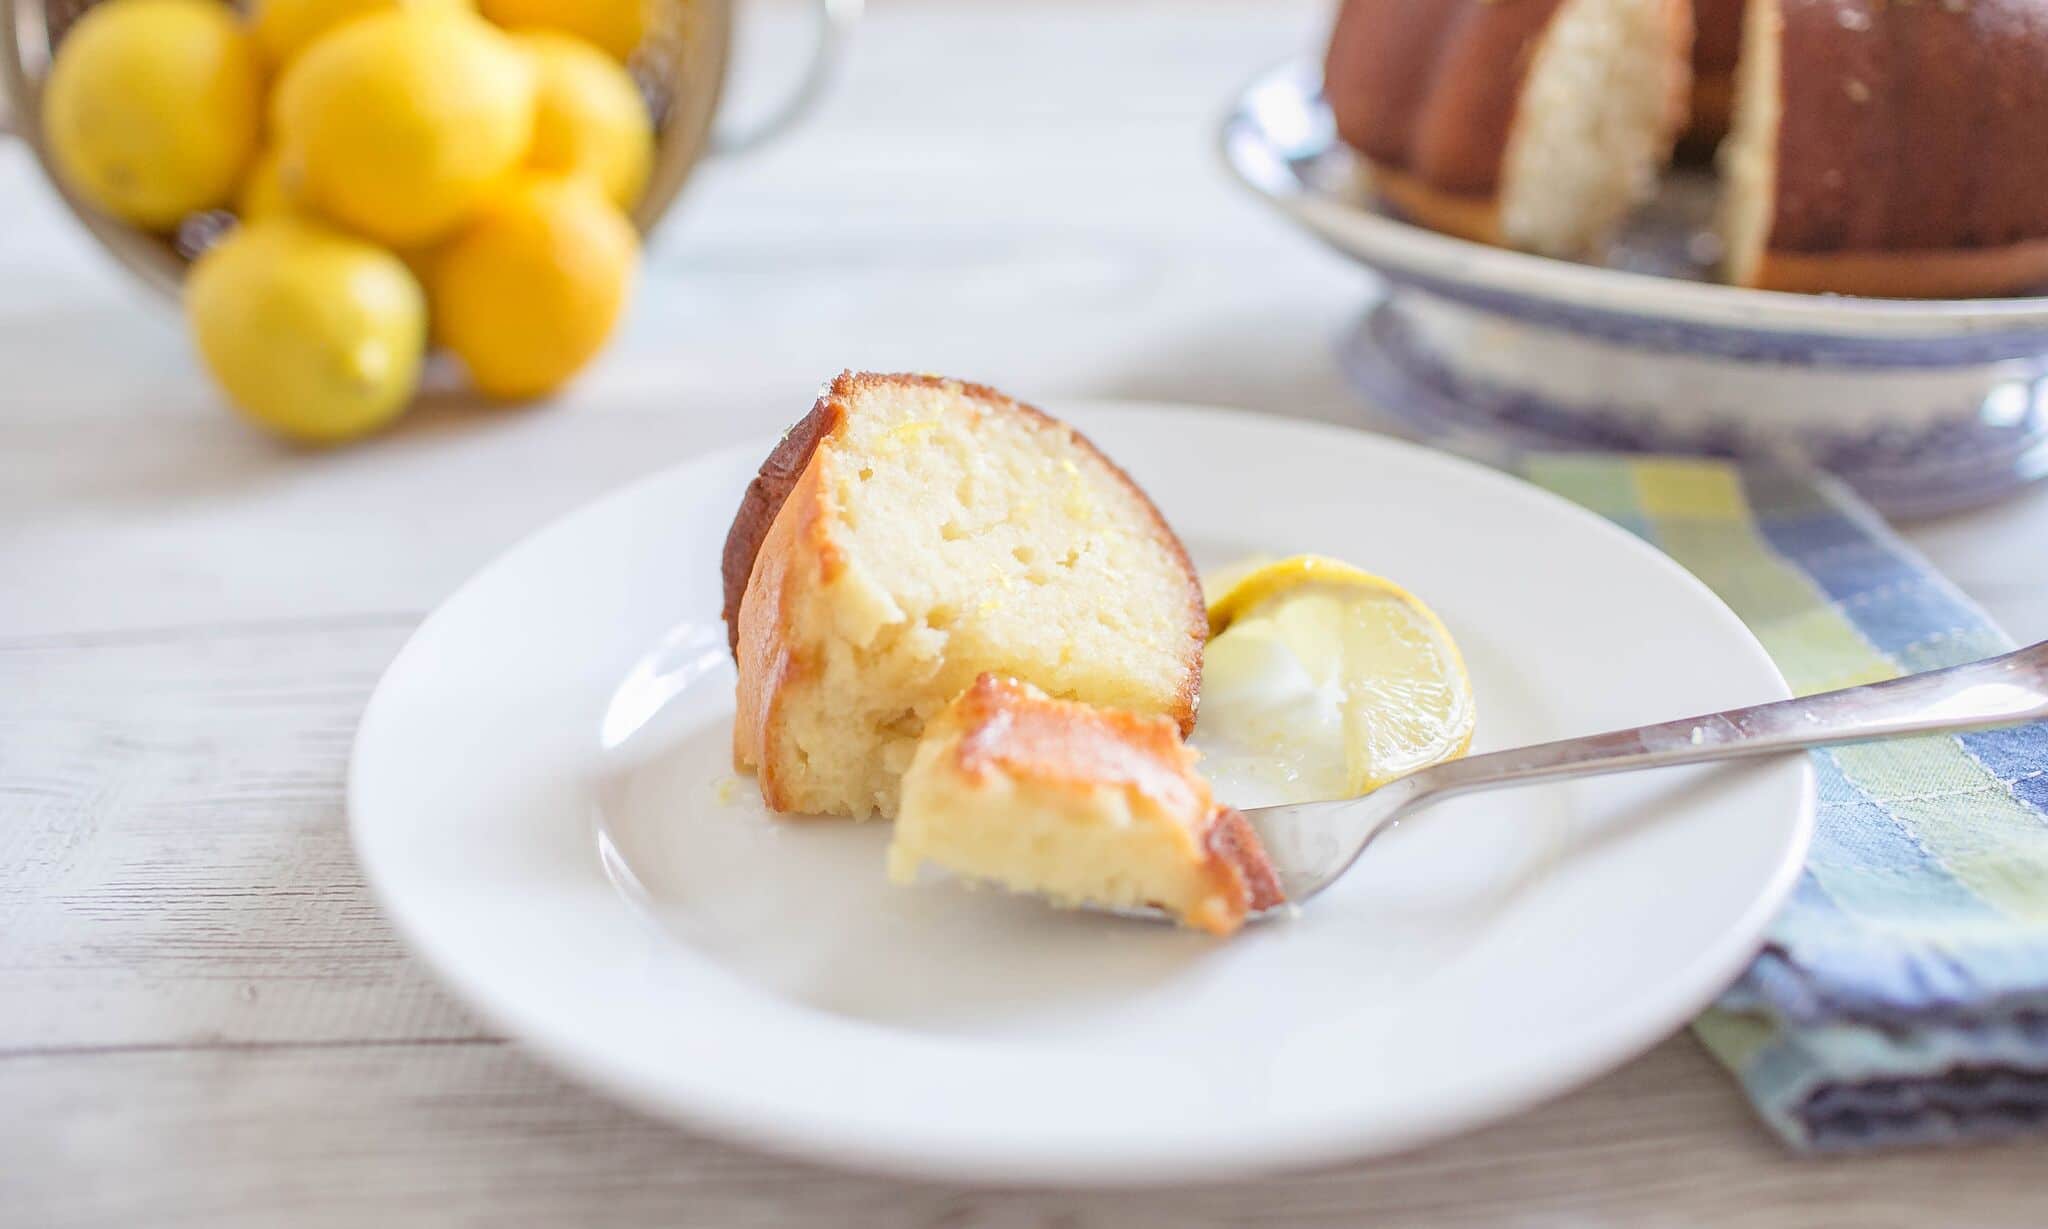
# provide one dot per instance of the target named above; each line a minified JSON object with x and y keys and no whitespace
{"x":1902,"y":997}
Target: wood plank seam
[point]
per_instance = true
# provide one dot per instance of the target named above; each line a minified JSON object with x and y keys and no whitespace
{"x":230,"y":1046}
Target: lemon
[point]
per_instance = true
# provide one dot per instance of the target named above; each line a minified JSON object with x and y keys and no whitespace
{"x":398,"y":125}
{"x":263,"y":193}
{"x":588,"y":117}
{"x":615,"y":25}
{"x":284,"y":28}
{"x":1339,"y":678}
{"x":152,"y":108}
{"x":529,"y":291}
{"x":314,"y":334}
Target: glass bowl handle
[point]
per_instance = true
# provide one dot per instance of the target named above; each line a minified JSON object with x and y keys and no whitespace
{"x":835,"y":22}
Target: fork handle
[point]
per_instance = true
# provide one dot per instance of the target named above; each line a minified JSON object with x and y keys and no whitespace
{"x":1997,"y":691}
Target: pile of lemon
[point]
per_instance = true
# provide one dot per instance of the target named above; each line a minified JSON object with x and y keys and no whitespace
{"x":400,"y":171}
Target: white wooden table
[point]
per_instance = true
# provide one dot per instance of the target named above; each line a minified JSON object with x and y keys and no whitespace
{"x":203,"y":1019}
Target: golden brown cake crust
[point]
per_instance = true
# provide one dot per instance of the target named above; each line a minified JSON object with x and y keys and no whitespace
{"x":764,"y":498}
{"x":1428,"y":91}
{"x":1009,"y":726}
{"x":1716,"y":46}
{"x":1234,"y":843}
{"x":1954,"y":273}
{"x":1911,"y":158}
{"x":1468,"y":217}
{"x":1717,"y":35}
{"x":1713,"y":107}
{"x":768,"y":663}
{"x":1430,"y":87}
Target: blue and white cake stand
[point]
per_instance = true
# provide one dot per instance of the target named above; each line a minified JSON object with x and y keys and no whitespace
{"x":1924,"y":406}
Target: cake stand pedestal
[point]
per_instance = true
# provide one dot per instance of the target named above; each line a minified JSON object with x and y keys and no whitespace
{"x":1918,"y":431}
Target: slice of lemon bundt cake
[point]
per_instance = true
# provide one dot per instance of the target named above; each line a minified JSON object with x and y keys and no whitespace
{"x":913,"y":533}
{"x":1537,"y":124}
{"x":1084,"y":805}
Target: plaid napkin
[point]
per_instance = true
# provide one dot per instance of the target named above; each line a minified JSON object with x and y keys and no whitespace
{"x":1903,"y":994}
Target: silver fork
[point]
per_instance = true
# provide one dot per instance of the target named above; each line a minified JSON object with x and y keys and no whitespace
{"x":1312,"y":844}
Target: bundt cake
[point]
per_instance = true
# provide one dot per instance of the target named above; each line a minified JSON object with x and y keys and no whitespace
{"x":913,"y":533}
{"x":1084,"y":805}
{"x":1890,"y":149}
{"x":1536,"y":124}
{"x":1874,"y":147}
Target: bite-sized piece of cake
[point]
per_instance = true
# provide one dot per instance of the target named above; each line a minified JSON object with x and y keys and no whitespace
{"x":914,"y":532}
{"x":1536,"y":124}
{"x":1083,"y":805}
{"x":1890,"y":149}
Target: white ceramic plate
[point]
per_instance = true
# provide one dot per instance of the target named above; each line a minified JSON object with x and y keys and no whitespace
{"x":541,"y":797}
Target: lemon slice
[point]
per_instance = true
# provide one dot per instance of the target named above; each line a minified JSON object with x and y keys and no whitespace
{"x":1337,"y":679}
